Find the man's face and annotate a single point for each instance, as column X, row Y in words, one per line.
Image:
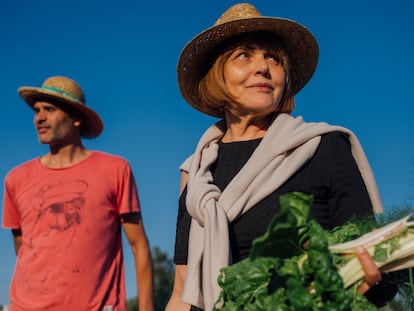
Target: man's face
column 53, row 125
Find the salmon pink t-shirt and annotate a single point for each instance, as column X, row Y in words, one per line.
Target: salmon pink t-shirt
column 71, row 256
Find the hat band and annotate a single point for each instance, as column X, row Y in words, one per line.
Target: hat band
column 60, row 91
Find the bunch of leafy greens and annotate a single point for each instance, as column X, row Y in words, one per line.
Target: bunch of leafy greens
column 282, row 274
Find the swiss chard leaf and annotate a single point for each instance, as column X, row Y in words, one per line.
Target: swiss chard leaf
column 288, row 230
column 281, row 275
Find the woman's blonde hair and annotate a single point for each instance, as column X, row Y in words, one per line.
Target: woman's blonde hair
column 212, row 89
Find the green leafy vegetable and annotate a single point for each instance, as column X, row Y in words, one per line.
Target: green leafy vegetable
column 288, row 231
column 281, row 275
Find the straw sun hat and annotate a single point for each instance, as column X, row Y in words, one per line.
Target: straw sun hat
column 298, row 41
column 68, row 93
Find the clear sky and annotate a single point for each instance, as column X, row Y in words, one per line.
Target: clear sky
column 124, row 55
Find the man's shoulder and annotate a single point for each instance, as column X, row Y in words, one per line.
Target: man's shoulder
column 109, row 157
column 23, row 167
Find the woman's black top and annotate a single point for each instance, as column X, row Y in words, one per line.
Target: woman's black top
column 331, row 176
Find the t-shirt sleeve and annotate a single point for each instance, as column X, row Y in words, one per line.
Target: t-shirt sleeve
column 127, row 194
column 10, row 215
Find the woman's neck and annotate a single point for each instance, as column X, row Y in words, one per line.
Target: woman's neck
column 240, row 129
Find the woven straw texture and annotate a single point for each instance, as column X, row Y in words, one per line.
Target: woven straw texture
column 299, row 43
column 66, row 92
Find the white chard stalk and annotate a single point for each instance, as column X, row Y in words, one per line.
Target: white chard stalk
column 396, row 238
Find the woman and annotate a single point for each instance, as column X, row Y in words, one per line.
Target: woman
column 246, row 70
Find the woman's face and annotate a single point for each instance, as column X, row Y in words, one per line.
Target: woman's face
column 255, row 80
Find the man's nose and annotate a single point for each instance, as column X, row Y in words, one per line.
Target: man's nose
column 40, row 116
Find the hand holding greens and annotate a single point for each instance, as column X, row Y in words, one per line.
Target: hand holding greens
column 295, row 266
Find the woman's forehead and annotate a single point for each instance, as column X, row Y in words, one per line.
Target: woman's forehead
column 257, row 40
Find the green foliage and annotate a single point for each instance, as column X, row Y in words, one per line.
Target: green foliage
column 255, row 284
column 163, row 267
column 163, row 278
column 405, row 278
column 132, row 304
column 394, row 213
column 302, row 280
column 405, row 296
column 286, row 233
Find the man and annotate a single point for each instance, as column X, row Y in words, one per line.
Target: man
column 66, row 210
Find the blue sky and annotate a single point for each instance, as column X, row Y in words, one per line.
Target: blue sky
column 124, row 55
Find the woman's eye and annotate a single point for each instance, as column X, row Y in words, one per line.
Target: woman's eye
column 243, row 54
column 273, row 58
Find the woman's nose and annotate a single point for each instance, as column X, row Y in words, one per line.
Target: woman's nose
column 262, row 66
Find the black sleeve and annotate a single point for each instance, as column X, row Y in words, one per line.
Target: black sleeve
column 182, row 231
column 348, row 198
column 385, row 291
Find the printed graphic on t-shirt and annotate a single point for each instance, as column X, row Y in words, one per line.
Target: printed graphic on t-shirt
column 59, row 207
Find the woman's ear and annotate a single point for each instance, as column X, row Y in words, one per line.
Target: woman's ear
column 77, row 123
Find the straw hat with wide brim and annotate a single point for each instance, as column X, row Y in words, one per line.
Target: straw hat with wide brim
column 298, row 41
column 68, row 93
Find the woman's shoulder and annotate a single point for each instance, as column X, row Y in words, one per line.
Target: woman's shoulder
column 335, row 138
column 334, row 144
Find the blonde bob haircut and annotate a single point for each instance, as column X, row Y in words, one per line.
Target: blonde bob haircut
column 212, row 89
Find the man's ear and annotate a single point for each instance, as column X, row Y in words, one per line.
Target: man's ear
column 77, row 123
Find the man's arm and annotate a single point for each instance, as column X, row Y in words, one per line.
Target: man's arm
column 135, row 233
column 17, row 239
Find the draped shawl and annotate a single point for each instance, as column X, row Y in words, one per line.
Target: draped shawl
column 287, row 145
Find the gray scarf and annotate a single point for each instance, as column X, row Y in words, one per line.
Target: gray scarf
column 287, row 145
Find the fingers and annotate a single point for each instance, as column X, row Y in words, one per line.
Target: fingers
column 372, row 273
column 364, row 287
